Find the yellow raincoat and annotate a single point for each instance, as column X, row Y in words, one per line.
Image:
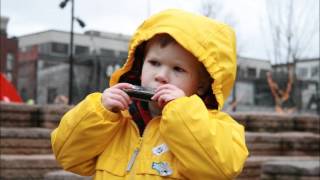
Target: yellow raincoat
column 189, row 141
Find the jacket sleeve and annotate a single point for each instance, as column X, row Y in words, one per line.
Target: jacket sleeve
column 208, row 145
column 83, row 134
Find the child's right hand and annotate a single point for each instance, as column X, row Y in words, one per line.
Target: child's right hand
column 115, row 99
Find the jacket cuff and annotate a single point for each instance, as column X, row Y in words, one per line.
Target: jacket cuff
column 99, row 108
column 181, row 102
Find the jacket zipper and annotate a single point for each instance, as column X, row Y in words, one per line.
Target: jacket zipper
column 134, row 156
column 137, row 149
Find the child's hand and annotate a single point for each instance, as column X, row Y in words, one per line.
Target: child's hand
column 166, row 93
column 115, row 99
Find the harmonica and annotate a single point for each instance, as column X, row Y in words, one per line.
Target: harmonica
column 140, row 93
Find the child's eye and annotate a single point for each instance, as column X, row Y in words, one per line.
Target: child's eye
column 154, row 63
column 179, row 69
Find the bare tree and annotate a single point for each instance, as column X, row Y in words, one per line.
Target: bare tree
column 293, row 25
column 281, row 95
column 215, row 9
column 211, row 8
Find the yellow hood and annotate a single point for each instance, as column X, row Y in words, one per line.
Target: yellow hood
column 212, row 42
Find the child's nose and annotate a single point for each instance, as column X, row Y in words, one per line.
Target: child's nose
column 162, row 76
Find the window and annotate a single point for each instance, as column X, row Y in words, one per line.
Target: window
column 241, row 72
column 9, row 66
column 44, row 48
column 123, row 54
column 52, row 93
column 107, row 52
column 314, row 71
column 263, row 73
column 82, row 50
column 59, row 48
column 302, row 72
column 10, row 61
column 252, row 72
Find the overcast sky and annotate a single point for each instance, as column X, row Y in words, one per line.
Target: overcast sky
column 123, row 16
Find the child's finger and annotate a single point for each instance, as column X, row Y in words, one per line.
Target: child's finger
column 117, row 105
column 122, row 86
column 120, row 99
column 160, row 93
column 164, row 99
column 123, row 94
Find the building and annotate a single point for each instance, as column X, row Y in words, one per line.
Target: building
column 44, row 63
column 251, row 91
column 306, row 88
column 8, row 52
column 44, row 71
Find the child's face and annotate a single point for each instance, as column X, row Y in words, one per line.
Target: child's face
column 170, row 64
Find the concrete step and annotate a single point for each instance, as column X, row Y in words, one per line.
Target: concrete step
column 64, row 175
column 253, row 166
column 44, row 167
column 271, row 122
column 291, row 169
column 37, row 141
column 26, row 167
column 25, row 141
column 23, row 115
column 283, row 143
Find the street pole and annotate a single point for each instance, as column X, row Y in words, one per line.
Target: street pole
column 234, row 98
column 318, row 92
column 71, row 60
column 71, row 56
column 234, row 93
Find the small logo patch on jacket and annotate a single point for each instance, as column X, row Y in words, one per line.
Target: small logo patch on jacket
column 162, row 168
column 162, row 148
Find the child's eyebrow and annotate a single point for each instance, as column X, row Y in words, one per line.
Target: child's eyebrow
column 152, row 57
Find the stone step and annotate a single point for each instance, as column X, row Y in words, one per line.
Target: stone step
column 64, row 175
column 37, row 141
column 283, row 143
column 254, row 164
column 26, row 167
column 271, row 122
column 254, row 167
column 44, row 167
column 25, row 141
column 291, row 169
column 23, row 115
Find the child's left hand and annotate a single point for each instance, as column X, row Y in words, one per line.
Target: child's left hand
column 166, row 93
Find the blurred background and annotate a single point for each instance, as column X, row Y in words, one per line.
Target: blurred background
column 55, row 52
column 58, row 51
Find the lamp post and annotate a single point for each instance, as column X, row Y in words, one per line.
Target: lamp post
column 71, row 60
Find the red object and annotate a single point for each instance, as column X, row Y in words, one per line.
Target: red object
column 8, row 92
